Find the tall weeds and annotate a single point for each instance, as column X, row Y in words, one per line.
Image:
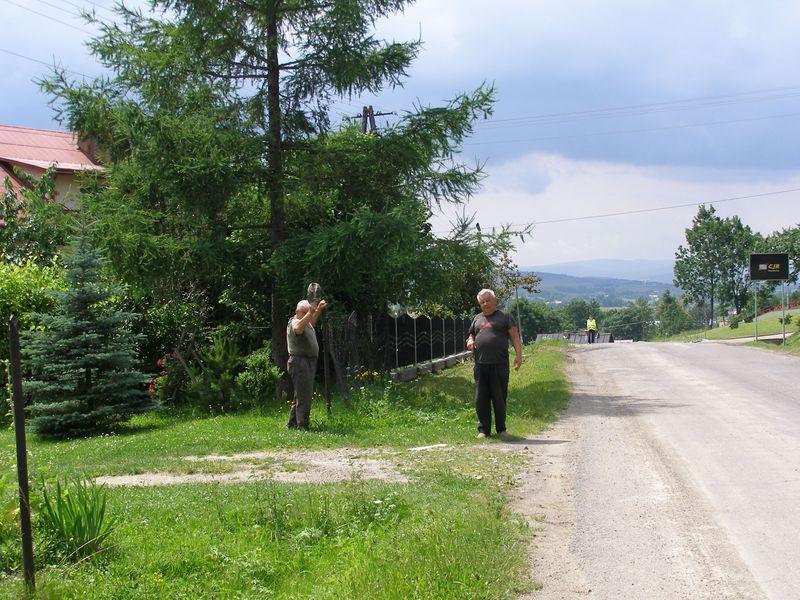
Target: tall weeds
column 73, row 518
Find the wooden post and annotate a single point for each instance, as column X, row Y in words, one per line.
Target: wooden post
column 327, row 377
column 22, row 454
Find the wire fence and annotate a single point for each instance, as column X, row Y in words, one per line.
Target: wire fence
column 354, row 344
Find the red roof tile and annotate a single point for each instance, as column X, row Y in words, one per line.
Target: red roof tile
column 41, row 148
column 7, row 171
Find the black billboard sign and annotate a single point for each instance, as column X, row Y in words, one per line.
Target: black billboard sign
column 770, row 267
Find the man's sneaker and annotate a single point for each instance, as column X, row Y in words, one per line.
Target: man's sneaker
column 481, row 435
column 505, row 436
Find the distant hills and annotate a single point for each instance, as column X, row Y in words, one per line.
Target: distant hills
column 610, row 282
column 634, row 270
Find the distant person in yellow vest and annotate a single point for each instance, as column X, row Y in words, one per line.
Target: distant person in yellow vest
column 591, row 329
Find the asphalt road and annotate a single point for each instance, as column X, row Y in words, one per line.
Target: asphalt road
column 682, row 464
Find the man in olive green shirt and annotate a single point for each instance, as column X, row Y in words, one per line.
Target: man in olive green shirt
column 301, row 339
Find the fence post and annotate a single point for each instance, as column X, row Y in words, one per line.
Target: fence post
column 327, row 378
column 783, row 310
column 414, row 319
column 755, row 311
column 430, row 327
column 22, row 454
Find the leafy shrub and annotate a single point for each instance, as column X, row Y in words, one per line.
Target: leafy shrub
column 214, row 383
column 169, row 386
column 260, row 376
column 10, row 555
column 25, row 288
column 73, row 519
column 162, row 323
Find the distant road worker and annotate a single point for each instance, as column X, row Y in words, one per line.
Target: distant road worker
column 591, row 329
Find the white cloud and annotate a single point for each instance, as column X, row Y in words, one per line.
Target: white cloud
column 574, row 189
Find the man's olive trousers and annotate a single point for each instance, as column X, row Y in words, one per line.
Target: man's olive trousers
column 301, row 370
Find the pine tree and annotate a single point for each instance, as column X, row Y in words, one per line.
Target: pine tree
column 84, row 379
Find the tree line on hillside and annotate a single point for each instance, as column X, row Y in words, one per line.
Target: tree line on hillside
column 712, row 268
column 712, row 271
column 226, row 189
column 639, row 320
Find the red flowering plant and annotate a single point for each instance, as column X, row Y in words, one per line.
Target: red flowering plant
column 165, row 387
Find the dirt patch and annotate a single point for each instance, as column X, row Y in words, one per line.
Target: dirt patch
column 295, row 466
column 544, row 496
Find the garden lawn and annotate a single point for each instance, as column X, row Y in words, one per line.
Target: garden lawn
column 768, row 324
column 431, row 538
column 792, row 345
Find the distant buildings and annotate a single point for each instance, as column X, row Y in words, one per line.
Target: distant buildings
column 34, row 150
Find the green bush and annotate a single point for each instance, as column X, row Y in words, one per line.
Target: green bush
column 260, row 376
column 161, row 325
column 25, row 288
column 214, row 385
column 10, row 554
column 73, row 519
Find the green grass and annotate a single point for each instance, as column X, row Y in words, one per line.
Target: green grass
column 445, row 535
column 768, row 324
column 435, row 409
column 792, row 345
column 432, row 540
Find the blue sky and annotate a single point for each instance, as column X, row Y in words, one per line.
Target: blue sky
column 711, row 90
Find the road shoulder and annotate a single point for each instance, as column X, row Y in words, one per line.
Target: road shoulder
column 615, row 512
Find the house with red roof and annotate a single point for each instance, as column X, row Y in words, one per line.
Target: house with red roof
column 34, row 150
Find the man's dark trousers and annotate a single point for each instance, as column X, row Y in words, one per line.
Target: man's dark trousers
column 491, row 390
column 591, row 334
column 301, row 370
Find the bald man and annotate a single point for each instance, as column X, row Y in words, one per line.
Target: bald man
column 489, row 335
column 301, row 339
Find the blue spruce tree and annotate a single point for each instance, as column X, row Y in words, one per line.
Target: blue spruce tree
column 84, row 378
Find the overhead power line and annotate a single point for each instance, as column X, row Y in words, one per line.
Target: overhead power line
column 94, row 5
column 61, row 8
column 41, row 62
column 640, row 130
column 524, row 226
column 670, row 207
column 36, row 12
column 684, row 104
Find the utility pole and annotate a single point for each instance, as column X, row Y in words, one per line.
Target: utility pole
column 368, row 115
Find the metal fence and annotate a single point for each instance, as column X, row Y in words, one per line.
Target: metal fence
column 576, row 338
column 414, row 340
column 354, row 344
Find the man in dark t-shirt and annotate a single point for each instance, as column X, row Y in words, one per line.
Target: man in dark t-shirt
column 488, row 339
